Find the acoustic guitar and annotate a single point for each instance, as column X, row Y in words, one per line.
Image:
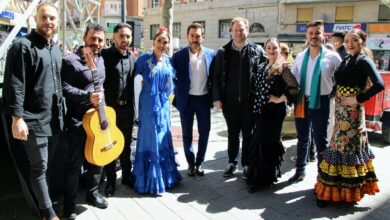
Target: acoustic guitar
column 105, row 141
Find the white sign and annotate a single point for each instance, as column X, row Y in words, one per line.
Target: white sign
column 345, row 27
column 378, row 43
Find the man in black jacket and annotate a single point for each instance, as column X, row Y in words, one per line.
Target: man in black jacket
column 82, row 93
column 33, row 100
column 231, row 88
column 119, row 93
column 338, row 43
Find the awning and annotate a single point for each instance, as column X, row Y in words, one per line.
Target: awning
column 294, row 38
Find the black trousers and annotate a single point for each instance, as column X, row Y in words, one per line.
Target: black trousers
column 76, row 138
column 239, row 118
column 124, row 121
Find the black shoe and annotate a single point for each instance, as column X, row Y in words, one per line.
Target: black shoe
column 199, row 171
column 251, row 189
column 296, row 178
column 70, row 212
column 128, row 181
column 110, row 189
column 244, row 173
column 95, row 199
column 229, row 170
column 191, row 171
column 322, row 203
column 312, row 158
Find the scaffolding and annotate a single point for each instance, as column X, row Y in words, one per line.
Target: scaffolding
column 74, row 15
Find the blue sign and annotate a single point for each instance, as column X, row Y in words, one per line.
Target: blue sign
column 328, row 27
column 7, row 15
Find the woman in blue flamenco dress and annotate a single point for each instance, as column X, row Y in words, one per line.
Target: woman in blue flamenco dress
column 155, row 169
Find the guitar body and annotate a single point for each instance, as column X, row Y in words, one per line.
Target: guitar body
column 102, row 146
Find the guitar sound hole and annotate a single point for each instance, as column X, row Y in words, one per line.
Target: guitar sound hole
column 104, row 125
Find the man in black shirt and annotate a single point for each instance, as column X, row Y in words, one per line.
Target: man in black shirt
column 33, row 98
column 80, row 94
column 119, row 94
column 338, row 43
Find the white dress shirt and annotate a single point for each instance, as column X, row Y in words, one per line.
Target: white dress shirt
column 329, row 63
column 198, row 73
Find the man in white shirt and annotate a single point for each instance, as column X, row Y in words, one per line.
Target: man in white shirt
column 193, row 95
column 314, row 69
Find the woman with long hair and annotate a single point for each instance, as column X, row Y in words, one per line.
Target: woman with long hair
column 155, row 169
column 273, row 88
column 346, row 171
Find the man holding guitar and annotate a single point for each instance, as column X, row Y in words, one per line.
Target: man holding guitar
column 119, row 92
column 79, row 90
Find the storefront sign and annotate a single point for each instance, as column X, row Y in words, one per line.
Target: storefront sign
column 377, row 43
column 346, row 27
column 110, row 27
column 331, row 27
column 7, row 15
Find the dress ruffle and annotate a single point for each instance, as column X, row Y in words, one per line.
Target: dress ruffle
column 161, row 172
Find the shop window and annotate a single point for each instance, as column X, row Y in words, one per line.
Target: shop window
column 203, row 23
column 256, row 28
column 176, row 29
column 304, row 15
column 153, row 30
column 224, row 28
column 176, row 2
column 384, row 13
column 344, row 13
column 154, row 3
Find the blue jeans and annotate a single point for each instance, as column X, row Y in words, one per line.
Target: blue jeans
column 318, row 119
column 199, row 106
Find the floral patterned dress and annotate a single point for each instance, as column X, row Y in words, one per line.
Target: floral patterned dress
column 346, row 171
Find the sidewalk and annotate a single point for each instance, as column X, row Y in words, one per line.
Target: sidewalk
column 216, row 197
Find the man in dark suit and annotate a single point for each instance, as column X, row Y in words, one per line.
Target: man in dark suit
column 192, row 96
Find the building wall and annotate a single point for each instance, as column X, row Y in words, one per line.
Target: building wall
column 364, row 11
column 211, row 12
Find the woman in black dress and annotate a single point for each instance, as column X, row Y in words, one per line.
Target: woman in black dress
column 273, row 87
column 346, row 171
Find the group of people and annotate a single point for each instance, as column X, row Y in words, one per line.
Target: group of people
column 252, row 87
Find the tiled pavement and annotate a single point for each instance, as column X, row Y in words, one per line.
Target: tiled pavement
column 215, row 197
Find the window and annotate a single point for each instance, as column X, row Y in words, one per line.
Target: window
column 176, row 2
column 384, row 13
column 153, row 30
column 344, row 13
column 256, row 28
column 154, row 3
column 304, row 15
column 112, row 8
column 176, row 32
column 203, row 23
column 224, row 28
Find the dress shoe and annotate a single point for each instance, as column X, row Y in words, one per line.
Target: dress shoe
column 95, row 199
column 191, row 171
column 199, row 171
column 244, row 173
column 298, row 177
column 110, row 189
column 229, row 170
column 70, row 212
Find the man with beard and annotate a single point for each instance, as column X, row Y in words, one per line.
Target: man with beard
column 192, row 94
column 314, row 69
column 80, row 96
column 233, row 71
column 119, row 93
column 33, row 100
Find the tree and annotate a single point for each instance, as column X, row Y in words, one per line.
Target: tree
column 167, row 21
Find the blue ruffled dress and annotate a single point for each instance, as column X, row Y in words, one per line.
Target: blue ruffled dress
column 155, row 169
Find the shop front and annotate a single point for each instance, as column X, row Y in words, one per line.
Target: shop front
column 379, row 42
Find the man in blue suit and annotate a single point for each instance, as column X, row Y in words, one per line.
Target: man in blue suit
column 193, row 95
